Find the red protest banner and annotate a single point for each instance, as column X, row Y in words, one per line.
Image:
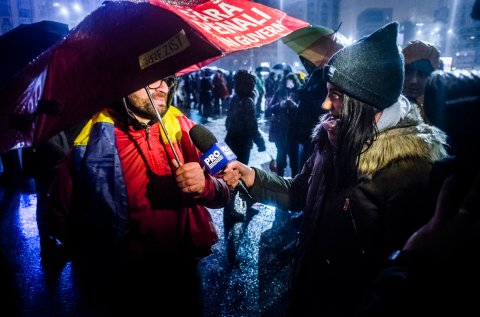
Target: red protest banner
column 235, row 25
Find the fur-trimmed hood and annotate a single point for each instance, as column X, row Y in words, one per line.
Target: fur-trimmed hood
column 410, row 138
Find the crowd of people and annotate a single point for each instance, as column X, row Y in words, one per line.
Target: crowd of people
column 381, row 147
column 279, row 95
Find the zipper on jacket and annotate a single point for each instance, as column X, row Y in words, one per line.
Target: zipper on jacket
column 346, row 207
column 346, row 204
column 147, row 136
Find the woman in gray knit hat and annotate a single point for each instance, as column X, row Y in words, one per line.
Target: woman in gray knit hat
column 363, row 187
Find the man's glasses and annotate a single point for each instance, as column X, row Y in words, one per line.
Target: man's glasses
column 170, row 81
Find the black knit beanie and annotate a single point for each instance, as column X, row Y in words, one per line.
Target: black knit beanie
column 371, row 69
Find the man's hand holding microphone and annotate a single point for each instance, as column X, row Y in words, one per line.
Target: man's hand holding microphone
column 190, row 177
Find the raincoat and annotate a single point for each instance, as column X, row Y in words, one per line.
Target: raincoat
column 118, row 190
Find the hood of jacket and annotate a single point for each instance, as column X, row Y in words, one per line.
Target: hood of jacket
column 409, row 138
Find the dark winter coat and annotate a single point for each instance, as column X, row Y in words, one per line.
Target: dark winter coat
column 283, row 111
column 219, row 88
column 241, row 124
column 311, row 97
column 345, row 236
column 270, row 85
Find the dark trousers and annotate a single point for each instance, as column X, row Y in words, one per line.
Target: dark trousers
column 287, row 148
column 154, row 286
column 305, row 150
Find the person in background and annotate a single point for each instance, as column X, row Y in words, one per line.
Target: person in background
column 130, row 207
column 260, row 87
column 242, row 128
column 281, row 70
column 270, row 86
column 421, row 59
column 220, row 92
column 241, row 123
column 310, row 96
column 41, row 163
column 282, row 111
column 274, row 82
column 363, row 188
column 205, row 87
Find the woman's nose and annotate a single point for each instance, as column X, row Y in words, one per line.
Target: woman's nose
column 327, row 104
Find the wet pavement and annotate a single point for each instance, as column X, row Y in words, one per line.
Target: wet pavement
column 246, row 274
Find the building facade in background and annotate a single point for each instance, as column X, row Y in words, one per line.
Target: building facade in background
column 445, row 23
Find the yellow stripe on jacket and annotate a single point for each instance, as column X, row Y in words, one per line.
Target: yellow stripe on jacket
column 172, row 125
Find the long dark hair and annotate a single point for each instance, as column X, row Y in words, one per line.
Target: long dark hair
column 357, row 132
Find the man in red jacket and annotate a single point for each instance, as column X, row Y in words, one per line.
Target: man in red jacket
column 132, row 215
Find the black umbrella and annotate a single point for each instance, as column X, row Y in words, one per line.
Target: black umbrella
column 262, row 69
column 25, row 42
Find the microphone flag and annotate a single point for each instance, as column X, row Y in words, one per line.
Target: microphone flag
column 217, row 157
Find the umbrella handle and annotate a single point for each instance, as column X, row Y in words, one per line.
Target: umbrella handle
column 152, row 103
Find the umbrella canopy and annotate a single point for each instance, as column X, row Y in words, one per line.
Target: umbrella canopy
column 264, row 70
column 121, row 47
column 25, row 42
column 315, row 43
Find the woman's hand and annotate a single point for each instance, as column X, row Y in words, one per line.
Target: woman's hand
column 236, row 171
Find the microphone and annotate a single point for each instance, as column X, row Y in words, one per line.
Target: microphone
column 216, row 155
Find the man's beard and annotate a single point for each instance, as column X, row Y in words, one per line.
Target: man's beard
column 142, row 107
column 147, row 111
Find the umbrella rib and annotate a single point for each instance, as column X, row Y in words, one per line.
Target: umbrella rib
column 152, row 103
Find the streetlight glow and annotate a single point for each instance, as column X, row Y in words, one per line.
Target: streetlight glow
column 77, row 7
column 64, row 11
